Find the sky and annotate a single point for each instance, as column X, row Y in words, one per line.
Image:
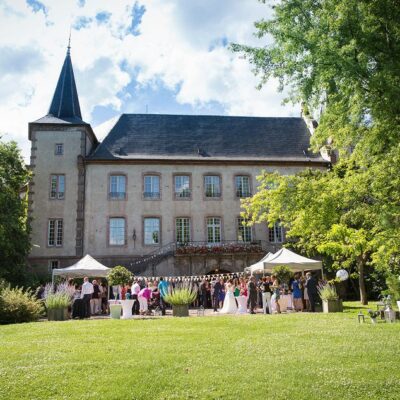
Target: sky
column 155, row 56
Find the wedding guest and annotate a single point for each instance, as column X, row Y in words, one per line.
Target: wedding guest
column 252, row 291
column 297, row 293
column 311, row 285
column 266, row 294
column 39, row 293
column 104, row 295
column 243, row 287
column 123, row 292
column 135, row 291
column 221, row 296
column 144, row 297
column 276, row 293
column 86, row 295
column 216, row 288
column 203, row 293
column 95, row 301
column 163, row 289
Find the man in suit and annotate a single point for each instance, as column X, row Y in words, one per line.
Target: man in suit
column 252, row 293
column 216, row 288
column 311, row 285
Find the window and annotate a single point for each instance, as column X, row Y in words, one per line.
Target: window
column 242, row 184
column 151, row 187
column 53, row 264
column 182, row 229
column 117, row 232
column 55, row 232
column 57, row 187
column 214, row 230
column 182, row 186
column 276, row 233
column 244, row 232
column 59, row 149
column 151, row 230
column 117, row 187
column 212, row 186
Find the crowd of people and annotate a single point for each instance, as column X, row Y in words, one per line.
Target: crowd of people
column 227, row 295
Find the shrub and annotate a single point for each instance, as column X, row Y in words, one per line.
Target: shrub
column 119, row 276
column 327, row 292
column 182, row 294
column 17, row 305
column 283, row 273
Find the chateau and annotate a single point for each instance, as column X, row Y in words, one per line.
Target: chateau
column 161, row 193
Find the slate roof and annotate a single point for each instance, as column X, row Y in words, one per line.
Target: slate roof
column 64, row 108
column 194, row 137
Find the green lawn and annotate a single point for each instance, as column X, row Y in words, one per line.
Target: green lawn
column 294, row 356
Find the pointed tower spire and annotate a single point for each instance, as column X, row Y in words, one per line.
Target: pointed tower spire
column 65, row 103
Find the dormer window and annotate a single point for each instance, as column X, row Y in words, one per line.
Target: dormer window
column 59, row 149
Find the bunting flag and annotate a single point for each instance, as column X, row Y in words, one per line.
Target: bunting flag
column 231, row 275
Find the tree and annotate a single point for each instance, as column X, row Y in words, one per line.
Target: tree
column 341, row 57
column 14, row 230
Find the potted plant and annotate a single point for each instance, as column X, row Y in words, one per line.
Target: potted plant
column 373, row 315
column 180, row 297
column 283, row 274
column 116, row 277
column 330, row 298
column 57, row 301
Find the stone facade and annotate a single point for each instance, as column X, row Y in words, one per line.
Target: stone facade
column 66, row 227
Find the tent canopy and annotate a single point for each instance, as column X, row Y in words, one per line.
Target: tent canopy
column 295, row 262
column 259, row 266
column 87, row 266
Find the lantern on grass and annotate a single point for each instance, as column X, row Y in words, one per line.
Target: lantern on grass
column 361, row 317
column 342, row 275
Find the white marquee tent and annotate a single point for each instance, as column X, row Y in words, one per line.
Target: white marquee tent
column 260, row 265
column 295, row 262
column 87, row 266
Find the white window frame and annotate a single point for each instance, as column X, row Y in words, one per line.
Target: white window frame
column 151, row 231
column 212, row 186
column 275, row 233
column 214, row 230
column 182, row 229
column 117, row 187
column 55, row 232
column 182, row 189
column 151, row 186
column 116, row 231
column 59, row 149
column 244, row 233
column 57, row 186
column 240, row 186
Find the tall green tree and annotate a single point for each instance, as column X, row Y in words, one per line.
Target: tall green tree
column 341, row 59
column 14, row 230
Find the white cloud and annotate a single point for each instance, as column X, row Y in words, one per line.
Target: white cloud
column 179, row 47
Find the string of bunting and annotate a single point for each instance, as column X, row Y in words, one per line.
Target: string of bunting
column 230, row 275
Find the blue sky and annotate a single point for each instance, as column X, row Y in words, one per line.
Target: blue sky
column 159, row 56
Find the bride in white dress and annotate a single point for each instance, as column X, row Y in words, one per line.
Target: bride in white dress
column 229, row 306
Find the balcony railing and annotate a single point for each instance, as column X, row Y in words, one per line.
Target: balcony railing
column 117, row 195
column 223, row 247
column 242, row 194
column 183, row 194
column 213, row 194
column 151, row 195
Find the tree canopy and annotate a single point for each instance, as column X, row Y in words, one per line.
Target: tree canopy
column 341, row 59
column 14, row 231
